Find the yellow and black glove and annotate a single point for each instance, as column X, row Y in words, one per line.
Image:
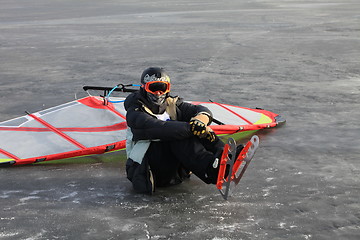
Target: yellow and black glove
column 210, row 135
column 198, row 125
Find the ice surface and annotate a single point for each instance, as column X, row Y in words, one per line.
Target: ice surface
column 296, row 58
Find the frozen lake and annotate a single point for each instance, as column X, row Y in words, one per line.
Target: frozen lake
column 300, row 59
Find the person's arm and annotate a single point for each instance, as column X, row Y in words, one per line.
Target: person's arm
column 147, row 127
column 190, row 111
column 200, row 118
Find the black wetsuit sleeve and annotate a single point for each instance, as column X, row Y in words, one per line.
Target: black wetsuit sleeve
column 147, row 127
column 189, row 110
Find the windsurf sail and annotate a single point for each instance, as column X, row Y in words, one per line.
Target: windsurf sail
column 97, row 124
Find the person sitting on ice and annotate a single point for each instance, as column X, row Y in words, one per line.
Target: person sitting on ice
column 167, row 138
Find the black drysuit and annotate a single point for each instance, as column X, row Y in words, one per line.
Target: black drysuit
column 173, row 151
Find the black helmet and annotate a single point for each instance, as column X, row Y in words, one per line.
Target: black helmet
column 154, row 74
column 155, row 86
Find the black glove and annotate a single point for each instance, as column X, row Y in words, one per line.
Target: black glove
column 197, row 127
column 210, row 135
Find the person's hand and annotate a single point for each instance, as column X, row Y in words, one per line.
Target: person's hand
column 209, row 134
column 197, row 127
column 198, row 124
